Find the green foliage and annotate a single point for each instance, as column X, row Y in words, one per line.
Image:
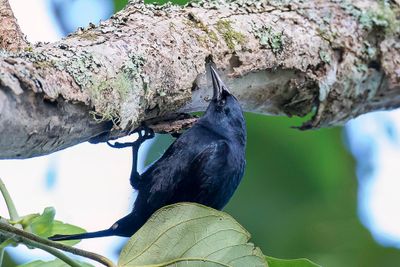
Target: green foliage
column 187, row 234
column 53, row 263
column 119, row 4
column 183, row 234
column 274, row 262
column 41, row 225
column 61, row 228
column 44, row 225
column 298, row 197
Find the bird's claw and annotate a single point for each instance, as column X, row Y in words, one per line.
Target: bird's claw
column 120, row 145
column 148, row 133
column 143, row 132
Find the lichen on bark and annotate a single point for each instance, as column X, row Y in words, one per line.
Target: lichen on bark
column 146, row 62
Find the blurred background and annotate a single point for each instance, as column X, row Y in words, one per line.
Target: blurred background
column 330, row 195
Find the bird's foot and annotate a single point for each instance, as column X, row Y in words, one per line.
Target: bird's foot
column 144, row 133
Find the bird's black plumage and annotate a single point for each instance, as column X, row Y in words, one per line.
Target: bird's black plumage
column 204, row 165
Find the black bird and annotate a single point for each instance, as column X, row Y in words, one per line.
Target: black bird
column 204, row 165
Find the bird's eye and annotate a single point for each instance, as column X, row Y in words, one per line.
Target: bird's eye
column 220, row 104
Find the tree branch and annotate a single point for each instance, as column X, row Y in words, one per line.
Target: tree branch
column 147, row 62
column 12, row 210
column 11, row 36
column 21, row 236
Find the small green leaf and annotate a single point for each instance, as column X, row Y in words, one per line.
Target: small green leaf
column 27, row 219
column 7, row 242
column 188, row 234
column 53, row 263
column 274, row 262
column 60, row 228
column 42, row 225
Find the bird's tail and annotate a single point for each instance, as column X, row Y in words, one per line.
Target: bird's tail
column 107, row 232
column 125, row 227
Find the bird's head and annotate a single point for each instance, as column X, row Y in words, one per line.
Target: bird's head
column 224, row 109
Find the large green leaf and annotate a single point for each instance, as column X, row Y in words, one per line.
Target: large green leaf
column 274, row 262
column 188, row 234
column 53, row 263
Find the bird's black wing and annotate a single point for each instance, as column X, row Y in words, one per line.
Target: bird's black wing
column 212, row 176
column 182, row 180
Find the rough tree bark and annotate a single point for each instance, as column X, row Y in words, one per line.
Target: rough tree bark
column 336, row 58
column 11, row 37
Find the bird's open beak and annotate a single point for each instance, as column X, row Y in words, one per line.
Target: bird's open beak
column 218, row 85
